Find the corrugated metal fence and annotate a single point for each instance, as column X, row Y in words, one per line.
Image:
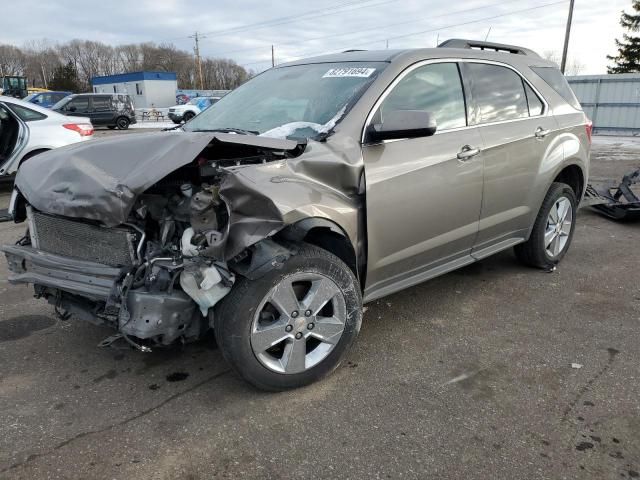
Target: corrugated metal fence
column 612, row 102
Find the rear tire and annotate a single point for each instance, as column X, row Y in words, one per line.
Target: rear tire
column 122, row 123
column 302, row 339
column 553, row 229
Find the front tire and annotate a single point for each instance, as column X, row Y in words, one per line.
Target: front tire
column 292, row 326
column 188, row 116
column 553, row 229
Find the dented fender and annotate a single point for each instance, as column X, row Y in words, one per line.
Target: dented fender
column 262, row 200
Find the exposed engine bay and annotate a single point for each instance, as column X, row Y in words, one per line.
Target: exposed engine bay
column 155, row 276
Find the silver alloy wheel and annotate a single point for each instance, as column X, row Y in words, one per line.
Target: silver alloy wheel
column 298, row 323
column 559, row 224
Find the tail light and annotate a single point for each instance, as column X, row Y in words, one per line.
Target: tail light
column 589, row 127
column 84, row 129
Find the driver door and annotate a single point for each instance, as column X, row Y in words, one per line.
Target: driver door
column 423, row 195
column 77, row 107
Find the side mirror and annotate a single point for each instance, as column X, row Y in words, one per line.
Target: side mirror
column 72, row 108
column 36, row 100
column 403, row 124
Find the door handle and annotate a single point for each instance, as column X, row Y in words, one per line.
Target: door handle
column 541, row 132
column 467, row 153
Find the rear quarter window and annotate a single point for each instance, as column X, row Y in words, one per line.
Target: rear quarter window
column 555, row 79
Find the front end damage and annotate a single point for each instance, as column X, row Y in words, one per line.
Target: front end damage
column 146, row 235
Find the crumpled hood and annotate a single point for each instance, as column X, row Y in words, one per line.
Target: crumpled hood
column 101, row 179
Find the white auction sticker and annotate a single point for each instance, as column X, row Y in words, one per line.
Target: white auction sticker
column 349, row 72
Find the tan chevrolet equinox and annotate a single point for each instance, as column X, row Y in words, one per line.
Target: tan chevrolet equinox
column 315, row 187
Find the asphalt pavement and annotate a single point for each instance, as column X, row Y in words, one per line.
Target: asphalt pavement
column 496, row 371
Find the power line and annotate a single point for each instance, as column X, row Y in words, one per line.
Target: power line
column 267, row 23
column 331, row 10
column 421, row 32
column 377, row 27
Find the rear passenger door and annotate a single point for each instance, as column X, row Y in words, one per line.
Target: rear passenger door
column 102, row 112
column 516, row 132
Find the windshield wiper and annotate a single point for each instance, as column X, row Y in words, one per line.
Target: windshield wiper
column 229, row 130
column 168, row 129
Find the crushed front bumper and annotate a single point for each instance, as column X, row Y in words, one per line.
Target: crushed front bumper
column 81, row 277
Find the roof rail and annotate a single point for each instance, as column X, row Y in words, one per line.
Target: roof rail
column 480, row 45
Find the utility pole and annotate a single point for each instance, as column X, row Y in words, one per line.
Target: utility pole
column 196, row 51
column 273, row 57
column 487, row 35
column 566, row 38
column 44, row 76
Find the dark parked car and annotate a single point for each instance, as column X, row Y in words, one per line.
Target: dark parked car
column 104, row 109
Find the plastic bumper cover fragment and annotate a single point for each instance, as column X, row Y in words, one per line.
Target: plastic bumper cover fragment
column 29, row 265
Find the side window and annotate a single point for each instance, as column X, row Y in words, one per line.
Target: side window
column 138, row 89
column 27, row 114
column 101, row 104
column 535, row 104
column 435, row 88
column 498, row 92
column 80, row 104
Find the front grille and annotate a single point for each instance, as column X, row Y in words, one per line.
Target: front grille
column 172, row 110
column 69, row 238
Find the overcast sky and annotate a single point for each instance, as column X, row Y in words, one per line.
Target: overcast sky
column 245, row 29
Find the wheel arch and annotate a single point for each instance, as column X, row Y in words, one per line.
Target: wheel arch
column 574, row 176
column 326, row 234
column 32, row 153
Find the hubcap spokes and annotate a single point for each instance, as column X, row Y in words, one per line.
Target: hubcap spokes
column 298, row 323
column 558, row 228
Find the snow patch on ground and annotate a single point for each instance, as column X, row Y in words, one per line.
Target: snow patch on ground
column 153, row 124
column 622, row 142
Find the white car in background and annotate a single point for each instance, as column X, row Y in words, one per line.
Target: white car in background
column 27, row 130
column 193, row 107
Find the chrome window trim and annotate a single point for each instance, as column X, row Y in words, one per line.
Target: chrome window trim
column 422, row 63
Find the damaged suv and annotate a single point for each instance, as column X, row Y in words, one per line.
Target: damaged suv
column 314, row 187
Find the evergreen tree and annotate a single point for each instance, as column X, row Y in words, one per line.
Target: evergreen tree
column 65, row 77
column 628, row 58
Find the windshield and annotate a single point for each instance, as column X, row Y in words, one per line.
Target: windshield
column 29, row 97
column 301, row 101
column 194, row 101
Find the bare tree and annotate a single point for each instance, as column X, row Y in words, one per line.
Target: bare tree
column 39, row 59
column 12, row 60
column 574, row 66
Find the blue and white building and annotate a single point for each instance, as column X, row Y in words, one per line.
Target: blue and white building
column 146, row 89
